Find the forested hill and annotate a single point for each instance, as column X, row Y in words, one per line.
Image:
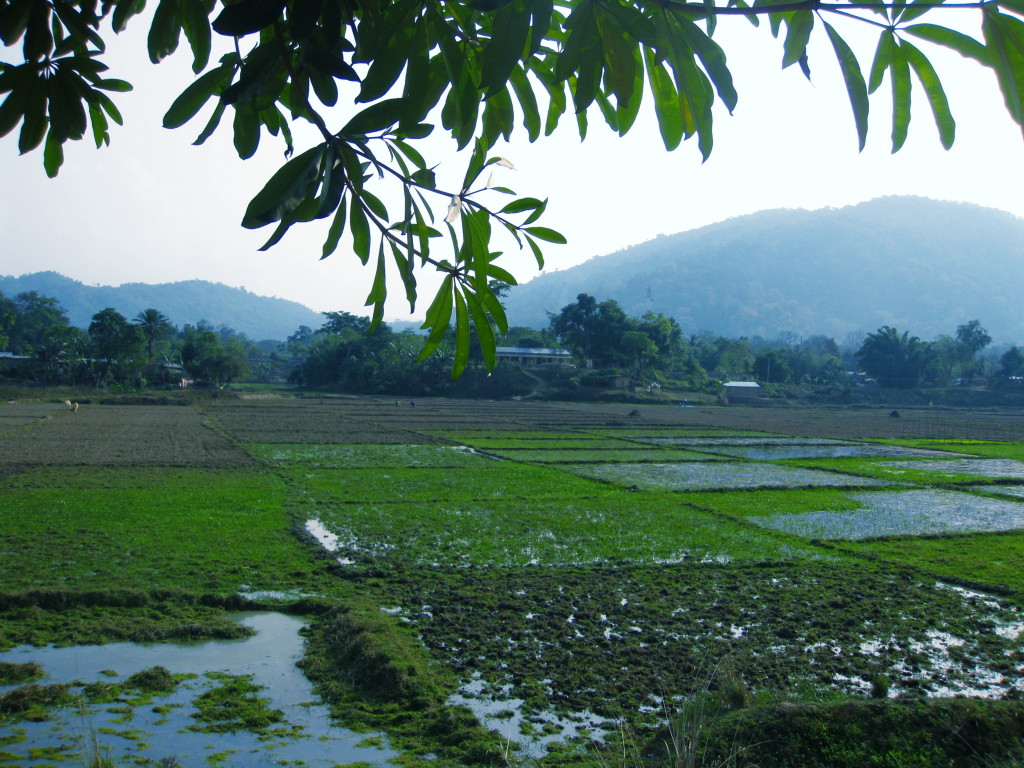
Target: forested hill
column 919, row 265
column 187, row 302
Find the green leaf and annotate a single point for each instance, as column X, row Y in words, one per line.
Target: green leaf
column 933, row 89
column 336, row 228
column 484, row 334
column 501, row 274
column 666, row 101
column 882, row 60
column 378, row 291
column 798, row 33
column 53, row 155
column 537, row 255
column 33, row 129
column 712, row 58
column 247, row 16
column 899, row 74
column 246, row 126
column 856, row 88
column 549, row 235
column 377, row 117
column 212, row 123
column 957, row 41
column 527, row 102
column 522, row 204
column 461, row 335
column 511, row 28
column 165, row 31
column 195, row 21
column 1004, row 42
column 438, row 317
column 360, row 228
column 286, row 189
column 192, row 99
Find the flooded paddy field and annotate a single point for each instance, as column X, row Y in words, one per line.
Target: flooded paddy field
column 238, row 702
column 490, row 580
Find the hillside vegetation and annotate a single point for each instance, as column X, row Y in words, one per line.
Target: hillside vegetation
column 899, row 261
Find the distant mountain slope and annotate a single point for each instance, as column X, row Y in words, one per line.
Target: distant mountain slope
column 188, row 302
column 920, row 265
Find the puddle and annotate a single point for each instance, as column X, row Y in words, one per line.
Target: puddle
column 532, row 735
column 142, row 736
column 704, row 475
column 896, row 513
column 984, row 467
column 328, row 540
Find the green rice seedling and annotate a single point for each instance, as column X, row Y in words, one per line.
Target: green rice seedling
column 615, row 526
column 594, row 443
column 988, row 449
column 783, row 501
column 995, row 560
column 316, row 488
column 636, row 453
column 907, row 471
column 206, row 531
column 367, row 456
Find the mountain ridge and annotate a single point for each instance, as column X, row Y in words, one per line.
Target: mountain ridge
column 185, row 302
column 920, row 265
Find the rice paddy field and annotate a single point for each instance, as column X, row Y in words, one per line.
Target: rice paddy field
column 494, row 583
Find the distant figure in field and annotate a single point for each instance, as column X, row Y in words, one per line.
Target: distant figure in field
column 67, row 405
column 74, row 407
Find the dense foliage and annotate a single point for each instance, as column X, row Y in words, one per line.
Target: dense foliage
column 472, row 68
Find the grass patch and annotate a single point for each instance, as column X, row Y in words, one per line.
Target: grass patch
column 634, row 454
column 200, row 531
column 494, row 481
column 12, row 672
column 615, row 526
column 775, row 502
column 910, row 471
column 45, row 618
column 995, row 560
column 339, row 456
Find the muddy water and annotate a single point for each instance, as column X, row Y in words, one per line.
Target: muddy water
column 147, row 735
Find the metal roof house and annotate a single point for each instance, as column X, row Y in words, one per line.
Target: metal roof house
column 530, row 356
column 742, row 390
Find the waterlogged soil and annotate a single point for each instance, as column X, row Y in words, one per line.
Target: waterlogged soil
column 902, row 513
column 599, row 639
column 686, row 476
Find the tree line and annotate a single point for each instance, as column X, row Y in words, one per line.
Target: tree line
column 115, row 352
column 348, row 353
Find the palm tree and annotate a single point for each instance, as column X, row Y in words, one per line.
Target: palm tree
column 154, row 325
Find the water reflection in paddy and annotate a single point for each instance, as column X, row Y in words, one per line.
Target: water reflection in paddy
column 146, row 736
column 770, row 452
column 896, row 513
column 694, row 475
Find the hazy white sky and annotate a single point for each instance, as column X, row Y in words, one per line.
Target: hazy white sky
column 151, row 208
